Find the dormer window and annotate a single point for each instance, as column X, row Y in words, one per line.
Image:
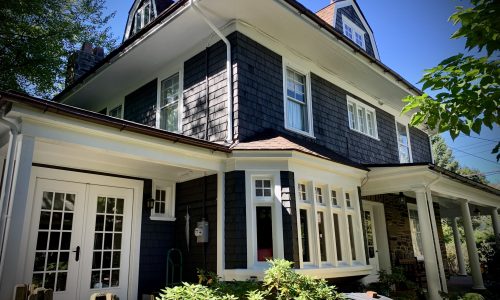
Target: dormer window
column 143, row 16
column 353, row 32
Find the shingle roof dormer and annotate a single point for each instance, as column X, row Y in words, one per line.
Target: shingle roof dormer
column 142, row 13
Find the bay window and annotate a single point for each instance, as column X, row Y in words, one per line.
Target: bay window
column 362, row 118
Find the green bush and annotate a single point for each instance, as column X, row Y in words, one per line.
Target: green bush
column 280, row 282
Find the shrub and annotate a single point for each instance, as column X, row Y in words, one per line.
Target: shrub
column 280, row 282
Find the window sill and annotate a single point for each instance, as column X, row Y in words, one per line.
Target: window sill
column 365, row 134
column 162, row 218
column 304, row 133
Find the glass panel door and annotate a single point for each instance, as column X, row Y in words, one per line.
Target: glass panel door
column 56, row 236
column 106, row 253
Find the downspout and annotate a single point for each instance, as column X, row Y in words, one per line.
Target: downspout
column 229, row 71
column 432, row 217
column 5, row 213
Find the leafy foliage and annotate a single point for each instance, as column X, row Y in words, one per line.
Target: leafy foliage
column 37, row 36
column 280, row 282
column 443, row 157
column 467, row 86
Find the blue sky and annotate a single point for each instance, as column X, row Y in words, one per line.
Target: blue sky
column 411, row 36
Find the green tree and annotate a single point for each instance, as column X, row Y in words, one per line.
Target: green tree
column 444, row 158
column 37, row 36
column 467, row 86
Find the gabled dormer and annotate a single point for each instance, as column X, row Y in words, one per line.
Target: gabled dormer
column 347, row 18
column 142, row 13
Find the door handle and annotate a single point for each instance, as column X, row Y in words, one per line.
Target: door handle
column 77, row 255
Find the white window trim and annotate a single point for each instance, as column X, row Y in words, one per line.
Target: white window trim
column 251, row 205
column 411, row 206
column 358, row 104
column 328, row 210
column 140, row 10
column 115, row 107
column 180, row 103
column 307, row 74
column 355, row 29
column 408, row 136
column 169, row 214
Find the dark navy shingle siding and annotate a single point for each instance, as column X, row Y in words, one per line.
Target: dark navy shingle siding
column 235, row 232
column 420, row 146
column 289, row 217
column 156, row 238
column 140, row 105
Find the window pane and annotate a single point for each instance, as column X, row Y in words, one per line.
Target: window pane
column 348, row 31
column 321, row 236
column 146, row 15
column 296, row 103
column 352, row 117
column 404, row 150
column 351, row 237
column 264, row 233
column 138, row 22
column 304, row 235
column 416, row 234
column 359, row 40
column 169, row 119
column 263, row 188
column 302, row 192
column 170, row 90
column 336, row 228
column 334, row 198
column 361, row 120
column 348, row 199
column 319, row 195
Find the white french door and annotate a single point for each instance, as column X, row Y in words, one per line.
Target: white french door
column 80, row 238
column 371, row 241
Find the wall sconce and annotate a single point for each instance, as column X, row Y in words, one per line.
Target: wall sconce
column 402, row 199
column 150, row 203
column 477, row 212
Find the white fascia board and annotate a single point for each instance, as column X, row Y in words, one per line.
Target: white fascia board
column 67, row 130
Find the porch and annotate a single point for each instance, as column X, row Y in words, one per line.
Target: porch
column 415, row 198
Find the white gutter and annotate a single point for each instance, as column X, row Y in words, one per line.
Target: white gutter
column 5, row 202
column 229, row 71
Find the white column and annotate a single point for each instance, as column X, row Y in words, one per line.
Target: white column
column 18, row 219
column 475, row 268
column 495, row 220
column 430, row 259
column 437, row 245
column 458, row 247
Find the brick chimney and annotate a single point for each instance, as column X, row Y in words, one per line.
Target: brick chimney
column 327, row 13
column 83, row 61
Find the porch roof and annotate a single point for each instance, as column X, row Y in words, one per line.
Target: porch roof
column 445, row 186
column 81, row 114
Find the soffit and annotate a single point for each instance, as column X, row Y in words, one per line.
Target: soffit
column 275, row 18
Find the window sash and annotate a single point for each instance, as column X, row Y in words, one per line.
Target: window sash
column 320, row 218
column 403, row 143
column 304, row 231
column 348, row 31
column 264, row 234
column 359, row 39
column 296, row 95
column 416, row 234
column 169, row 103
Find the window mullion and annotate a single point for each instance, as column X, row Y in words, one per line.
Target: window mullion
column 316, row 258
column 329, row 230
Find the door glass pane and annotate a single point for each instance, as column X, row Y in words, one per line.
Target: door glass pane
column 53, row 240
column 321, row 236
column 336, row 228
column 369, row 234
column 304, row 235
column 351, row 237
column 107, row 243
column 264, row 233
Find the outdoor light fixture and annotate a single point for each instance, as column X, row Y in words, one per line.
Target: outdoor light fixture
column 402, row 199
column 150, row 203
column 476, row 211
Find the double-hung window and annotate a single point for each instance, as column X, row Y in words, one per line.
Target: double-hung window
column 403, row 143
column 263, row 197
column 297, row 106
column 163, row 205
column 362, row 118
column 169, row 103
column 353, row 32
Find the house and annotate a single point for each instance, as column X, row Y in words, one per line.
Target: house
column 272, row 130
